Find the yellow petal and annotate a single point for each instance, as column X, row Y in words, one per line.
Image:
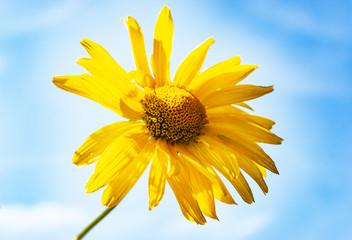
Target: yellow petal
column 262, row 170
column 203, row 190
column 111, row 72
column 89, row 86
column 164, row 30
column 222, row 67
column 253, row 171
column 172, row 154
column 198, row 163
column 160, row 60
column 222, row 193
column 242, row 187
column 221, row 75
column 220, row 156
column 237, row 181
column 110, row 78
column 157, row 177
column 93, row 67
column 191, row 65
column 225, row 198
column 96, row 143
column 116, row 158
column 245, row 105
column 128, row 176
column 183, row 192
column 245, row 146
column 233, row 125
column 262, row 121
column 102, row 92
column 206, row 157
column 235, row 94
column 74, row 84
column 237, row 113
column 131, row 108
column 142, row 79
column 137, row 42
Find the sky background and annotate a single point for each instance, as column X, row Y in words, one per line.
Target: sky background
column 304, row 49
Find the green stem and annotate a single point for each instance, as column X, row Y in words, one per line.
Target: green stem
column 92, row 224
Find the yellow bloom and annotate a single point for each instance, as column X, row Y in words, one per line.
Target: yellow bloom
column 187, row 129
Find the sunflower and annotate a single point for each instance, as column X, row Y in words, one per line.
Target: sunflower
column 188, row 130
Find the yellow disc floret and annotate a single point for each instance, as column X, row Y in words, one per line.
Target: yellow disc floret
column 174, row 114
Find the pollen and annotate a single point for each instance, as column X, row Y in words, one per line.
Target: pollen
column 174, row 114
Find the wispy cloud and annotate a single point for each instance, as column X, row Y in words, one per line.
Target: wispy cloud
column 19, row 220
column 230, row 227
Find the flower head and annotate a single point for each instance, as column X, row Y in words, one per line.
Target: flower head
column 188, row 130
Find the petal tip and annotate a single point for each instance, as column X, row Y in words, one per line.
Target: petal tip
column 85, row 42
column 58, row 81
column 165, row 8
column 54, row 80
column 274, row 170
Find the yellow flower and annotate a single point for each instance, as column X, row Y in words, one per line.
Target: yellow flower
column 188, row 129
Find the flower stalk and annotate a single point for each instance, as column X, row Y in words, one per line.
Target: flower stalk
column 92, row 224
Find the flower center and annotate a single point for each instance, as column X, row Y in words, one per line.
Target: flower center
column 174, row 114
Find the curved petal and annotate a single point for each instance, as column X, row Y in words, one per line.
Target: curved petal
column 220, row 193
column 112, row 77
column 206, row 185
column 142, row 78
column 137, row 42
column 218, row 69
column 220, row 156
column 131, row 108
column 203, row 191
column 128, row 176
column 118, row 156
column 160, row 59
column 157, row 176
column 202, row 166
column 105, row 67
column 239, row 126
column 244, row 105
column 253, row 171
column 242, row 187
column 261, row 169
column 191, row 65
column 174, row 159
column 96, row 143
column 210, row 81
column 184, row 194
column 237, row 113
column 90, row 87
column 235, row 94
column 242, row 145
column 237, row 181
column 75, row 84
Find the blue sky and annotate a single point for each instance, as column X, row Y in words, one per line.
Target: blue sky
column 304, row 50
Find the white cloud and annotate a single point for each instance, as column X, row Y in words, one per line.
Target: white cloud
column 241, row 226
column 20, row 220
